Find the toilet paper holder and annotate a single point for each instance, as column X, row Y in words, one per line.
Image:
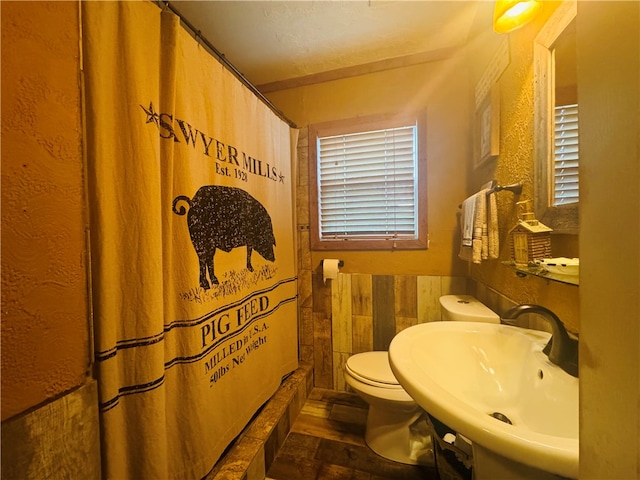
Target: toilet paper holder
column 330, row 268
column 340, row 263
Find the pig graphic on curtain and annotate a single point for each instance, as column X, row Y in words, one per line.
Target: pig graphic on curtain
column 226, row 218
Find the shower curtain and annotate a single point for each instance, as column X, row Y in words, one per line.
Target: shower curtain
column 192, row 243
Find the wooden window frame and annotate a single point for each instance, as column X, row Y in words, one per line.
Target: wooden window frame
column 363, row 124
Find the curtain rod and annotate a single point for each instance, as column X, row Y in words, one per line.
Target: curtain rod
column 216, row 53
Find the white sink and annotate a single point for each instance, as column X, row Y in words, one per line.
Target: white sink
column 462, row 372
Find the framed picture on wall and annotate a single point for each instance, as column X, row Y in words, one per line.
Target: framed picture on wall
column 487, row 121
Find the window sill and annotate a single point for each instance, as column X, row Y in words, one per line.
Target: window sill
column 343, row 244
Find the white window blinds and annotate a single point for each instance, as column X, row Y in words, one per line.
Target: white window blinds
column 367, row 185
column 566, row 155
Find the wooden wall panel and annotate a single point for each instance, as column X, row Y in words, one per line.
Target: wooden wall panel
column 322, row 354
column 341, row 313
column 384, row 327
column 454, row 285
column 404, row 322
column 362, row 329
column 339, row 361
column 429, row 290
column 381, row 306
column 60, row 440
column 306, row 326
column 322, row 342
column 361, row 294
column 406, row 293
column 362, row 313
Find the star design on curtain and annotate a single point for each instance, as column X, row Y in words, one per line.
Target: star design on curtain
column 152, row 117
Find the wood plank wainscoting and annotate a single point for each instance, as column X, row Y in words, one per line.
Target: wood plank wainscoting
column 361, row 312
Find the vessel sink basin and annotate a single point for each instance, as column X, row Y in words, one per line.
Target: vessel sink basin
column 466, row 374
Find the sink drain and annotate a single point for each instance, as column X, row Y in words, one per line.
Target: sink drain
column 502, row 417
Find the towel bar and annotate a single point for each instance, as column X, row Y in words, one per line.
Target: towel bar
column 515, row 188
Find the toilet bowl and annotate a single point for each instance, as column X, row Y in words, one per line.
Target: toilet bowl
column 394, row 430
column 392, row 412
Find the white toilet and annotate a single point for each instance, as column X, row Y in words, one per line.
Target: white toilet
column 392, row 429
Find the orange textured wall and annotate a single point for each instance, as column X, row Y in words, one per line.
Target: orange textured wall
column 45, row 333
column 515, row 164
column 441, row 89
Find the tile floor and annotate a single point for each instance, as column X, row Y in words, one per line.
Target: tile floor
column 326, row 442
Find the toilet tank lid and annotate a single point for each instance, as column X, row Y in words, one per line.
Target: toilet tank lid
column 373, row 366
column 468, row 306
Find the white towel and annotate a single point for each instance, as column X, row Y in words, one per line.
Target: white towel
column 468, row 217
column 474, row 227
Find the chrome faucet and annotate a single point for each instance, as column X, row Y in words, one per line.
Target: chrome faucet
column 561, row 349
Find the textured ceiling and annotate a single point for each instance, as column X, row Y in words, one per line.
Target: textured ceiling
column 270, row 41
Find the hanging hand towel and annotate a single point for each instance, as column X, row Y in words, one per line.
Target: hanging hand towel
column 480, row 227
column 494, row 242
column 473, row 211
column 468, row 216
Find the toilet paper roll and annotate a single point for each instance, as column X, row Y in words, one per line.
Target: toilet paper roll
column 330, row 268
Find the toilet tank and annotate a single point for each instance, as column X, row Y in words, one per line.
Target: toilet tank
column 465, row 308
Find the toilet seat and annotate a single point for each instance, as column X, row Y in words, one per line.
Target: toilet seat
column 372, row 368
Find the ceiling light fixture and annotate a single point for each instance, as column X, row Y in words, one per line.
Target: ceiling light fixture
column 509, row 15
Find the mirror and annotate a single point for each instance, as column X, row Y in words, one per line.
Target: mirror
column 555, row 84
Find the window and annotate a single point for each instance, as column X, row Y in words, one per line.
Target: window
column 367, row 184
column 565, row 163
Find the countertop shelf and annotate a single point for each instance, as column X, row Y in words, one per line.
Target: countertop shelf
column 538, row 271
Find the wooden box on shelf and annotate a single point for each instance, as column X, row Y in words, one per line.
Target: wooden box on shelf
column 529, row 239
